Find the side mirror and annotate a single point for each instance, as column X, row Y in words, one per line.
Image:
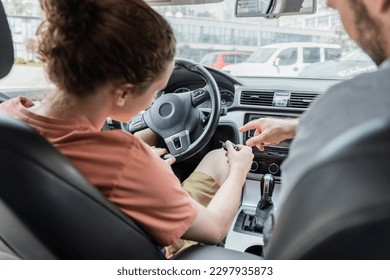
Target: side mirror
column 274, row 8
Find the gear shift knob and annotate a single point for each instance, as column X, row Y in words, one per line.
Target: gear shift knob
column 265, row 206
column 267, row 185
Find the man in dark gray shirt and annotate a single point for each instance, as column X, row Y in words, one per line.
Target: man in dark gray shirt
column 343, row 106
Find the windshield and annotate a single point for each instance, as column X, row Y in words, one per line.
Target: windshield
column 211, row 34
column 282, row 47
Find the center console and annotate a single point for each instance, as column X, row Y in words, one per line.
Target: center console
column 269, row 160
column 243, row 236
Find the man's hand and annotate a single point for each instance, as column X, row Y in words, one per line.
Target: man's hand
column 270, row 131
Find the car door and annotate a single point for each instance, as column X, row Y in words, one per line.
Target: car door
column 286, row 62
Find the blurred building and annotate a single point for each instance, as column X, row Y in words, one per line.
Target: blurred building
column 198, row 30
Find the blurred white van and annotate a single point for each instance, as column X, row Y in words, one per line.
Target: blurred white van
column 285, row 59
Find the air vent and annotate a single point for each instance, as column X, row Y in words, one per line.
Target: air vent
column 301, row 100
column 259, row 98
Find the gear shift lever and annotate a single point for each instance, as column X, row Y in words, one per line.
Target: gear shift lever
column 265, row 205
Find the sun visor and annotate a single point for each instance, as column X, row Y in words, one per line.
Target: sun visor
column 6, row 46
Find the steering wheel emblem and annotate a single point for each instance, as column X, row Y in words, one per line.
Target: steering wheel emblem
column 166, row 110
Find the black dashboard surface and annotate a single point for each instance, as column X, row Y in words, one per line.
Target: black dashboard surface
column 231, row 88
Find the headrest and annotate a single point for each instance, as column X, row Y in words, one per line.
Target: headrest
column 6, row 46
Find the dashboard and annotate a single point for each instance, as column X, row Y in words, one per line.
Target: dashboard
column 244, row 100
column 250, row 98
column 260, row 93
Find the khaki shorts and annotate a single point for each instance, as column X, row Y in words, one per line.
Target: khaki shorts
column 201, row 188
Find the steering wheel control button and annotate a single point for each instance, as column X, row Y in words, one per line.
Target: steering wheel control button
column 137, row 123
column 176, row 143
column 179, row 142
column 166, row 110
column 199, row 96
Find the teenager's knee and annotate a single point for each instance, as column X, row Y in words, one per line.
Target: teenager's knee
column 215, row 165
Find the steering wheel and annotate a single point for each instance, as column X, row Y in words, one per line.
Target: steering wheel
column 176, row 118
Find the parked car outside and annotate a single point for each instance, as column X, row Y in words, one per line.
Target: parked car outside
column 350, row 65
column 221, row 59
column 284, row 59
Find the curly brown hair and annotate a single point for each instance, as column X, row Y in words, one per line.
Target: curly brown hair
column 90, row 43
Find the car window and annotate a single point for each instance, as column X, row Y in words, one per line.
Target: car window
column 241, row 58
column 332, row 54
column 311, row 55
column 228, row 58
column 199, row 30
column 27, row 76
column 261, row 55
column 288, row 57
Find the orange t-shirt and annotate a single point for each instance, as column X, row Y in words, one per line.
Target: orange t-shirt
column 122, row 167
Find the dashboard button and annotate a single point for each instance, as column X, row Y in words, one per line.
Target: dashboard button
column 273, row 168
column 254, row 166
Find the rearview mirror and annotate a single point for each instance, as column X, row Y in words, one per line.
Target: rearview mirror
column 274, row 8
